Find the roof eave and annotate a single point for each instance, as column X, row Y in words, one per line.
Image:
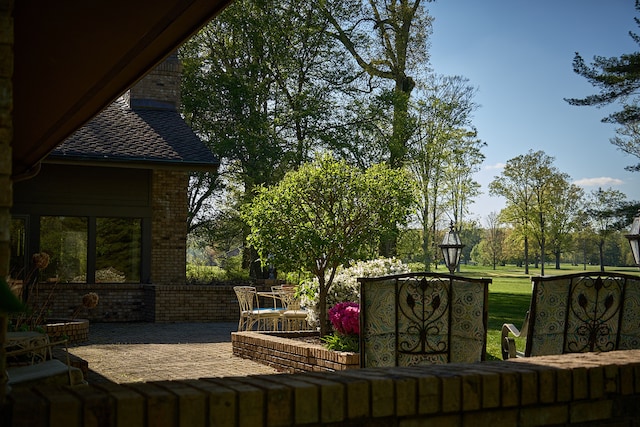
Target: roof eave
column 133, row 163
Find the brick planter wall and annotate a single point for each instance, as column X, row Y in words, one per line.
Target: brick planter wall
column 75, row 331
column 288, row 355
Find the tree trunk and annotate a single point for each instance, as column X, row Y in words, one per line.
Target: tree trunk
column 557, row 254
column 526, row 255
column 601, row 251
column 324, row 325
column 542, row 244
column 426, row 252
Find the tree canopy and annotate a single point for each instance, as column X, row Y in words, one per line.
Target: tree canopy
column 325, row 214
column 618, row 80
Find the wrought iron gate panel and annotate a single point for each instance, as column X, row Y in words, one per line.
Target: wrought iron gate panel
column 422, row 318
column 593, row 317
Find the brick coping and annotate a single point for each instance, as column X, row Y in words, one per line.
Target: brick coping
column 581, row 390
column 278, row 350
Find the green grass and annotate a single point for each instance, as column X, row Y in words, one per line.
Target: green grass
column 510, row 295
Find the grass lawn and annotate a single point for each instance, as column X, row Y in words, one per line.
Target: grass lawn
column 510, row 294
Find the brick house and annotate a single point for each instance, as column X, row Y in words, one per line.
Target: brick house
column 109, row 205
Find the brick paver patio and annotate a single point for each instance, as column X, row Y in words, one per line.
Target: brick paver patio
column 134, row 352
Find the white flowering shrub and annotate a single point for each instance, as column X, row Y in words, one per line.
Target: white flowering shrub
column 345, row 286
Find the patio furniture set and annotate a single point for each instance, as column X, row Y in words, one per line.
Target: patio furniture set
column 430, row 318
column 284, row 313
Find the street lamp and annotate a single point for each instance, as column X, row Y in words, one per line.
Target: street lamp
column 452, row 249
column 634, row 238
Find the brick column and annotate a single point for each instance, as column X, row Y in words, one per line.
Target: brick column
column 169, row 227
column 6, row 136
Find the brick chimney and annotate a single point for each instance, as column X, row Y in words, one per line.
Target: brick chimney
column 160, row 88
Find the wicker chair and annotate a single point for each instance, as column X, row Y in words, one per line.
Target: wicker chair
column 250, row 312
column 294, row 318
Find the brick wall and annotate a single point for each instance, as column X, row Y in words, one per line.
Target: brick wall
column 583, row 390
column 144, row 303
column 168, row 227
column 117, row 302
column 188, row 303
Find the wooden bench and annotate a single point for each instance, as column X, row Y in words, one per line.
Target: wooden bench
column 577, row 313
column 421, row 319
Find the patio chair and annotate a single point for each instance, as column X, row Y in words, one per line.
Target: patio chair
column 35, row 365
column 294, row 318
column 250, row 312
column 422, row 319
column 577, row 313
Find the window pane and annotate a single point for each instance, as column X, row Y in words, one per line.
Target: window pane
column 65, row 240
column 18, row 242
column 118, row 250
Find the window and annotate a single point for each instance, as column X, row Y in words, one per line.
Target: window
column 91, row 250
column 118, row 250
column 18, row 267
column 64, row 239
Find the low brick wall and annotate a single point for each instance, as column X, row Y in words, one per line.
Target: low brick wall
column 287, row 355
column 117, row 302
column 75, row 331
column 582, row 390
column 145, row 303
column 195, row 303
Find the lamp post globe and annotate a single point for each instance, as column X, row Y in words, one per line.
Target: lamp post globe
column 634, row 238
column 451, row 247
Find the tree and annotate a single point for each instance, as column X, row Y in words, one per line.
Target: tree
column 564, row 217
column 618, row 79
column 547, row 185
column 463, row 161
column 323, row 215
column 536, row 193
column 584, row 238
column 443, row 155
column 260, row 86
column 606, row 210
column 494, row 238
column 514, row 184
column 388, row 40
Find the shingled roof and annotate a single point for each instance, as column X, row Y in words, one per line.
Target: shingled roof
column 121, row 136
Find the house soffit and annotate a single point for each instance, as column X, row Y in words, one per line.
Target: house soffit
column 73, row 58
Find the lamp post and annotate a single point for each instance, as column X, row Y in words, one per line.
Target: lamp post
column 634, row 238
column 451, row 249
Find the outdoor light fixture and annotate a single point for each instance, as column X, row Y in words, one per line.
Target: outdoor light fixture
column 452, row 249
column 634, row 238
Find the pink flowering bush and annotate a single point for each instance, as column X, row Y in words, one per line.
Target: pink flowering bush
column 345, row 318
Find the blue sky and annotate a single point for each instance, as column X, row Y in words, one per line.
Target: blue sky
column 518, row 55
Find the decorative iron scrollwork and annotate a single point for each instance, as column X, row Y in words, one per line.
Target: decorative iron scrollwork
column 423, row 306
column 593, row 314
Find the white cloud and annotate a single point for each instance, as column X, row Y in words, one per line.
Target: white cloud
column 496, row 166
column 603, row 181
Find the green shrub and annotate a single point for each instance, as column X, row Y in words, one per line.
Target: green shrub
column 204, row 274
